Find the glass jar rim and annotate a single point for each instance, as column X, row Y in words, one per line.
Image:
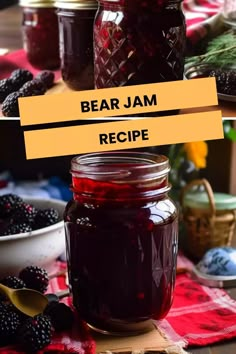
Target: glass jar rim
column 77, row 4
column 120, row 166
column 166, row 2
column 37, row 3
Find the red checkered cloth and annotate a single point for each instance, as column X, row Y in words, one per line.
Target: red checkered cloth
column 16, row 60
column 199, row 316
column 201, row 17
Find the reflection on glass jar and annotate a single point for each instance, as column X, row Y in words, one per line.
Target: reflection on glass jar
column 40, row 33
column 138, row 42
column 121, row 234
column 76, row 42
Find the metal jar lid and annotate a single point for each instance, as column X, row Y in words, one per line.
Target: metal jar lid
column 77, row 4
column 37, row 3
column 200, row 200
column 198, row 194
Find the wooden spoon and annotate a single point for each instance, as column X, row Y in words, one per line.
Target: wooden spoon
column 30, row 302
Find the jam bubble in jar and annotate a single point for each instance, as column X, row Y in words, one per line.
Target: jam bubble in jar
column 138, row 42
column 40, row 33
column 121, row 236
column 76, row 19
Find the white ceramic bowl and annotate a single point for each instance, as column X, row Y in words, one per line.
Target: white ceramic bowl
column 40, row 247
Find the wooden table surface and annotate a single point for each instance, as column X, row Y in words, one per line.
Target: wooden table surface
column 10, row 37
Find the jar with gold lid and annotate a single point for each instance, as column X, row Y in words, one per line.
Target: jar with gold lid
column 76, row 19
column 40, row 33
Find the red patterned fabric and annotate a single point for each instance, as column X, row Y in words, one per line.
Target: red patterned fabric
column 15, row 60
column 199, row 17
column 199, row 316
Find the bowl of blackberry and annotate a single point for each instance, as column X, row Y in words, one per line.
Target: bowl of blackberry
column 225, row 79
column 19, row 332
column 31, row 232
column 21, row 83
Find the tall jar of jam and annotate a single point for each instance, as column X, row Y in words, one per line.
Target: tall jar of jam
column 121, row 236
column 40, row 33
column 138, row 42
column 76, row 19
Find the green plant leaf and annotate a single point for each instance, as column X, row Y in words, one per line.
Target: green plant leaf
column 229, row 131
column 220, row 51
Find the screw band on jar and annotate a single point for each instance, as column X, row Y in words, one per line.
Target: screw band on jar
column 37, row 3
column 77, row 4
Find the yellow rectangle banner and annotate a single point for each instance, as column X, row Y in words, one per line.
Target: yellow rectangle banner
column 123, row 135
column 119, row 101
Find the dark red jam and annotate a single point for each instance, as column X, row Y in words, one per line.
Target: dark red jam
column 76, row 47
column 40, row 37
column 138, row 42
column 121, row 235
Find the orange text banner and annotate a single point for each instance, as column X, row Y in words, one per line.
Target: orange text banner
column 123, row 135
column 119, row 101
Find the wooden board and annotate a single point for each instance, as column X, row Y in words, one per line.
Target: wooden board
column 153, row 341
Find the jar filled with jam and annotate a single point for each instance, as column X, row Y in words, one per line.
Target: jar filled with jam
column 121, row 235
column 138, row 42
column 40, row 33
column 76, row 19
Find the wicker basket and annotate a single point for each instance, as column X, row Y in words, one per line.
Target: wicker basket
column 206, row 228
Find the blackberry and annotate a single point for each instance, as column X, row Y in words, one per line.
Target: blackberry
column 8, row 204
column 3, row 307
column 215, row 73
column 24, row 213
column 13, row 282
column 9, row 324
column 231, row 78
column 229, row 90
column 61, row 316
column 35, row 278
column 225, row 81
column 47, row 77
column 13, row 229
column 6, row 87
column 10, row 107
column 45, row 218
column 33, row 88
column 35, row 333
column 20, row 76
column 220, row 77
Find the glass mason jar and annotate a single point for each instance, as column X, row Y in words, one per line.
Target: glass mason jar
column 76, row 19
column 121, row 234
column 40, row 33
column 138, row 42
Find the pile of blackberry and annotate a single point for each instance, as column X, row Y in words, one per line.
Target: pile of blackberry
column 225, row 81
column 32, row 334
column 22, row 84
column 17, row 216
